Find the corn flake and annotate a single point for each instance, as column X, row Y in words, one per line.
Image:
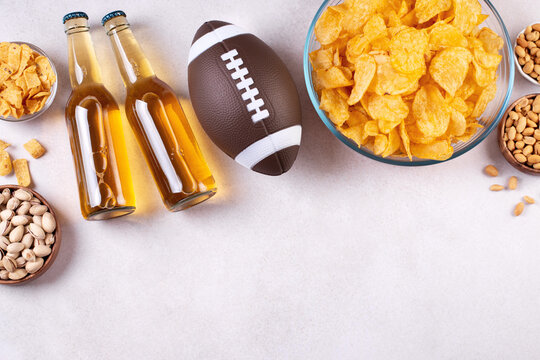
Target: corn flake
column 25, row 80
column 5, row 164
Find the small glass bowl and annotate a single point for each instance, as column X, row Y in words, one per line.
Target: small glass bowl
column 520, row 68
column 489, row 119
column 50, row 100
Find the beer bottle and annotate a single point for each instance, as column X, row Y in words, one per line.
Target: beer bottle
column 95, row 131
column 158, row 121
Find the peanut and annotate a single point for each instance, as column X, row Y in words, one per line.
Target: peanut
column 518, row 210
column 512, row 183
column 491, row 170
column 528, row 199
column 496, row 187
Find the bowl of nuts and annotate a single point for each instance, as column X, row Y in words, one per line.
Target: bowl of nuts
column 519, row 135
column 527, row 53
column 29, row 235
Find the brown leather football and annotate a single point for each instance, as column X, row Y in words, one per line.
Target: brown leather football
column 245, row 98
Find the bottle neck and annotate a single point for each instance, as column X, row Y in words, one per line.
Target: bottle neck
column 131, row 60
column 83, row 64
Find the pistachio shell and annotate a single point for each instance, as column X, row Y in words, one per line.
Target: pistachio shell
column 19, row 220
column 6, row 214
column 48, row 222
column 27, row 241
column 20, row 261
column 9, row 264
column 22, row 195
column 38, row 210
column 24, row 208
column 38, row 220
column 33, row 266
column 4, row 242
column 13, row 203
column 50, row 239
column 5, row 228
column 36, row 231
column 4, row 275
column 16, row 235
column 18, row 274
column 28, row 255
column 42, row 250
column 15, row 247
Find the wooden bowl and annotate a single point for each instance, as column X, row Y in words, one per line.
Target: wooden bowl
column 502, row 146
column 54, row 248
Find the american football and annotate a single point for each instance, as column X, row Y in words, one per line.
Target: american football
column 245, row 98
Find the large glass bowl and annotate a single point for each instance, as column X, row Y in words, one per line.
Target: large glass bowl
column 489, row 119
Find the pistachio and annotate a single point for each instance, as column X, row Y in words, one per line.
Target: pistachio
column 48, row 223
column 36, row 231
column 22, row 195
column 16, row 235
column 9, row 264
column 19, row 220
column 33, row 266
column 6, row 214
column 27, row 240
column 4, row 242
column 38, row 242
column 4, row 275
column 5, row 227
column 42, row 250
column 29, row 255
column 6, row 193
column 13, row 203
column 38, row 210
column 50, row 239
column 38, row 220
column 18, row 274
column 20, row 261
column 24, row 208
column 15, row 247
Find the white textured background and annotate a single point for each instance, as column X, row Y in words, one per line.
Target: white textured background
column 342, row 258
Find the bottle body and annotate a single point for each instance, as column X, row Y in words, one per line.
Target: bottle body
column 96, row 136
column 99, row 153
column 160, row 125
column 168, row 144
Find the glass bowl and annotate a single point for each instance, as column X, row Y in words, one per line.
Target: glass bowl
column 50, row 100
column 489, row 119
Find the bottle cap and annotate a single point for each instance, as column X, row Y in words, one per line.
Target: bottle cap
column 74, row 15
column 111, row 15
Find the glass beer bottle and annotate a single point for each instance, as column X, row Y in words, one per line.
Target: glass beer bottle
column 95, row 131
column 158, row 121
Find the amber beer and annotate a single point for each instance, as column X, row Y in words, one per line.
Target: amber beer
column 95, row 131
column 162, row 130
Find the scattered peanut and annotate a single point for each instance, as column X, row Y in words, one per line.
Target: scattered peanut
column 519, row 209
column 528, row 199
column 496, row 187
column 491, row 170
column 513, row 183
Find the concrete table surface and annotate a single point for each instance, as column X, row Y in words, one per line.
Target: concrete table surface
column 342, row 258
